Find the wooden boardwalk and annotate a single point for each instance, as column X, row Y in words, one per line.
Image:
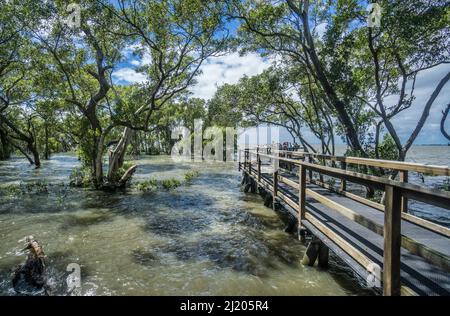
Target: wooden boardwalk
column 384, row 244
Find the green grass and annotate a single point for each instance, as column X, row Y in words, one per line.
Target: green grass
column 190, row 175
column 166, row 184
column 170, row 184
column 37, row 187
column 147, row 186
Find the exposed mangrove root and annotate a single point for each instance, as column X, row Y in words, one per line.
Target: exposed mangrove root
column 127, row 176
column 32, row 274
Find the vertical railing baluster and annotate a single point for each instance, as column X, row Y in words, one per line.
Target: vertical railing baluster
column 343, row 181
column 301, row 200
column 249, row 163
column 275, row 186
column 392, row 241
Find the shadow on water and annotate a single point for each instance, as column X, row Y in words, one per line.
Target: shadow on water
column 256, row 256
column 146, row 258
column 87, row 218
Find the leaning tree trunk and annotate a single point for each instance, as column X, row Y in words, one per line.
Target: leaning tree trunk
column 117, row 158
column 445, row 114
column 33, row 149
column 47, row 149
column 5, row 149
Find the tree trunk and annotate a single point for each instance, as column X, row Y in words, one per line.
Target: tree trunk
column 444, row 117
column 116, row 156
column 46, row 150
column 30, row 160
column 33, row 149
column 5, row 150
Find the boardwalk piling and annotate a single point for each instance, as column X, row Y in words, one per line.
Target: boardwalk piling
column 311, row 253
column 323, row 255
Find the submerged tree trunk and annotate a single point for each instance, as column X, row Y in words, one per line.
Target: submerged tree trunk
column 117, row 155
column 33, row 149
column 47, row 149
column 5, row 149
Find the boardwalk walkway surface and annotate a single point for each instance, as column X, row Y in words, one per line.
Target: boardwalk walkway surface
column 355, row 228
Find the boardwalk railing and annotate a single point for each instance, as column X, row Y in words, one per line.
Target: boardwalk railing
column 395, row 193
column 345, row 163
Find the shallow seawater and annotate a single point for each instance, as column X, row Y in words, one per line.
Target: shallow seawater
column 206, row 237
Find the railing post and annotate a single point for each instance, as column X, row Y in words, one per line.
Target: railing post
column 245, row 158
column 249, row 163
column 343, row 181
column 239, row 160
column 392, row 241
column 275, row 186
column 301, row 200
column 259, row 166
column 404, row 178
column 310, row 171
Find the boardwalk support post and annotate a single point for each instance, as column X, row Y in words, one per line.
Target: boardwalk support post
column 392, row 241
column 239, row 160
column 323, row 256
column 311, row 253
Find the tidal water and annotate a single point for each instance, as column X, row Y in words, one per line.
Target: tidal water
column 206, row 237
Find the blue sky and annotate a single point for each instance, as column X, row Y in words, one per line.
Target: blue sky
column 230, row 68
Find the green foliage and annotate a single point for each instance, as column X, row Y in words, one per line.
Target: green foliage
column 166, row 184
column 121, row 171
column 12, row 190
column 147, row 186
column 81, row 177
column 190, row 175
column 387, row 149
column 170, row 184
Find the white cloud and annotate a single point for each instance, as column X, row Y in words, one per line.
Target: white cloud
column 321, row 29
column 407, row 120
column 129, row 75
column 217, row 71
column 135, row 62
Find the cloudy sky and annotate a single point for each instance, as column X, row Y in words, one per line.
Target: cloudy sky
column 230, row 68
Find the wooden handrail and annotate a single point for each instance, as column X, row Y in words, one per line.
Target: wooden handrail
column 412, row 191
column 380, row 163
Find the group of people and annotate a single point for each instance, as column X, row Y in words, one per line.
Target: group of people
column 288, row 146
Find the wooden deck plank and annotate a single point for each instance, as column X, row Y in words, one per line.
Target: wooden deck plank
column 416, row 273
